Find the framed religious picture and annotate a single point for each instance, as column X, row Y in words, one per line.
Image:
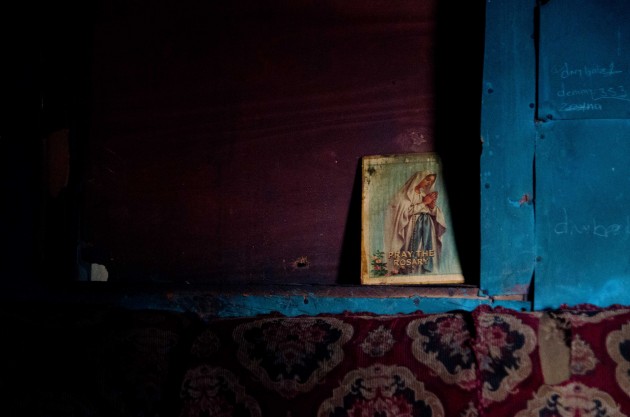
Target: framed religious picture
column 406, row 232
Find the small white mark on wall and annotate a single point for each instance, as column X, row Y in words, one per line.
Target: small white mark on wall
column 98, row 272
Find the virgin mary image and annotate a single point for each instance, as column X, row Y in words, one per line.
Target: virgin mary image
column 414, row 226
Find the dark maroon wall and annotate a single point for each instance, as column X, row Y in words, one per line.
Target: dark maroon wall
column 224, row 138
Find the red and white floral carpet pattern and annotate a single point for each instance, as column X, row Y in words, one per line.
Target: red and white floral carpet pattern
column 488, row 362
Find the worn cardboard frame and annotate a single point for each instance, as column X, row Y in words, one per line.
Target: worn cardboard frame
column 406, row 230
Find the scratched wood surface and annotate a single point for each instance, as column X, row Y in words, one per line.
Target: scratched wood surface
column 225, row 138
column 207, row 301
column 582, row 215
column 582, row 174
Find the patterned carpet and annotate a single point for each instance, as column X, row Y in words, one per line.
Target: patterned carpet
column 91, row 361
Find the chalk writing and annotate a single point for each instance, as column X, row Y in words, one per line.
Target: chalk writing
column 588, row 87
column 580, row 106
column 564, row 71
column 618, row 93
column 594, row 227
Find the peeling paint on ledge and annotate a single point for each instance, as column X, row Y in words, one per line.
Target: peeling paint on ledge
column 291, row 306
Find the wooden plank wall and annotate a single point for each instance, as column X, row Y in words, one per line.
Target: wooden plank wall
column 215, row 144
column 225, row 138
column 508, row 254
column 582, row 216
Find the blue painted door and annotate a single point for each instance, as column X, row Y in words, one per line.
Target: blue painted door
column 555, row 167
column 583, row 154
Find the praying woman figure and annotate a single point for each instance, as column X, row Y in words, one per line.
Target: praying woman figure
column 414, row 226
